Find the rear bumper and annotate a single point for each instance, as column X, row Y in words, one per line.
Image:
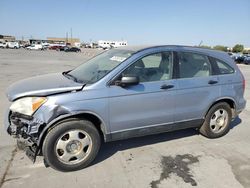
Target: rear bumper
column 241, row 106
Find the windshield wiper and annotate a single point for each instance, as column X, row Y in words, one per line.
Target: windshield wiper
column 71, row 77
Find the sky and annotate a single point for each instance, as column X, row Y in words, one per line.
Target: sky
column 184, row 22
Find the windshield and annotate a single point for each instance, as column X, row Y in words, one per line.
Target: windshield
column 99, row 66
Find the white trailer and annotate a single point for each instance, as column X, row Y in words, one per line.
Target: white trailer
column 111, row 44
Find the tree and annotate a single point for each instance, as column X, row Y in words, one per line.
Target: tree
column 238, row 48
column 221, row 48
column 205, row 46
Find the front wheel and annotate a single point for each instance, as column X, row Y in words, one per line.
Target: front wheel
column 71, row 145
column 217, row 121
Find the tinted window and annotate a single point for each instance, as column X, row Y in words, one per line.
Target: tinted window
column 154, row 67
column 193, row 65
column 223, row 67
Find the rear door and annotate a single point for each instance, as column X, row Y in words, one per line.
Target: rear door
column 197, row 87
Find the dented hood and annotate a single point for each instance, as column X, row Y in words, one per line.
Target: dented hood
column 42, row 86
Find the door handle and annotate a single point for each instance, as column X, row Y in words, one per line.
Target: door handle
column 211, row 82
column 165, row 86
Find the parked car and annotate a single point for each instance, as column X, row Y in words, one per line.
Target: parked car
column 72, row 49
column 88, row 45
column 26, row 45
column 35, row 47
column 2, row 44
column 13, row 45
column 56, row 47
column 247, row 60
column 123, row 93
column 239, row 59
column 64, row 48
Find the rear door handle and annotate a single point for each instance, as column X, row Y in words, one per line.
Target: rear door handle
column 211, row 82
column 165, row 86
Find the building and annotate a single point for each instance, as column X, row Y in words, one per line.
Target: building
column 56, row 41
column 247, row 50
column 7, row 38
column 38, row 41
column 69, row 41
column 108, row 44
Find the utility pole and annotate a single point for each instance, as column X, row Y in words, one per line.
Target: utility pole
column 67, row 38
column 71, row 35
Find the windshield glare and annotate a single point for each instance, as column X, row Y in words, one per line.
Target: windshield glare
column 99, row 66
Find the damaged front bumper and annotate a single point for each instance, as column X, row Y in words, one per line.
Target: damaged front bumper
column 25, row 129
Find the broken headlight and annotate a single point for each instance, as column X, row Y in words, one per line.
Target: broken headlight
column 27, row 105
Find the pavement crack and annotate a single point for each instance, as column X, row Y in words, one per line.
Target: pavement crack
column 3, row 179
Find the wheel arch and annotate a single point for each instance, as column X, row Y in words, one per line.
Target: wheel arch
column 230, row 101
column 94, row 118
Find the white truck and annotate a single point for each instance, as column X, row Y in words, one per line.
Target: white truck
column 2, row 44
column 14, row 45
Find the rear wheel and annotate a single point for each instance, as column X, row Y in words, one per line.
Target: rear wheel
column 217, row 121
column 71, row 145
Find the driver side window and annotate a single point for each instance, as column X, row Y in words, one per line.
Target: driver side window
column 153, row 67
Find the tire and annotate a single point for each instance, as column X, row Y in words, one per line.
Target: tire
column 217, row 121
column 80, row 142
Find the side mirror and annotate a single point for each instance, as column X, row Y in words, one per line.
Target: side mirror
column 128, row 81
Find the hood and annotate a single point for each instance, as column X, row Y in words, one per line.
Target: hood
column 42, row 86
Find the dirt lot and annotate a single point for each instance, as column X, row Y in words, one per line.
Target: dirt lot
column 177, row 159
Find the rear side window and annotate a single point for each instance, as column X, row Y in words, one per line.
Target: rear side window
column 223, row 67
column 193, row 65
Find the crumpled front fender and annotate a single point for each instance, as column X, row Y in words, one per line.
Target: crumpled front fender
column 60, row 113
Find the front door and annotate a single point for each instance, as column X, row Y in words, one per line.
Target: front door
column 150, row 104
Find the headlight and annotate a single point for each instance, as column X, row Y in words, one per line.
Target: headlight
column 27, row 105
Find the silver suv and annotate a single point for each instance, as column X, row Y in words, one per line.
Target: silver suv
column 123, row 93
